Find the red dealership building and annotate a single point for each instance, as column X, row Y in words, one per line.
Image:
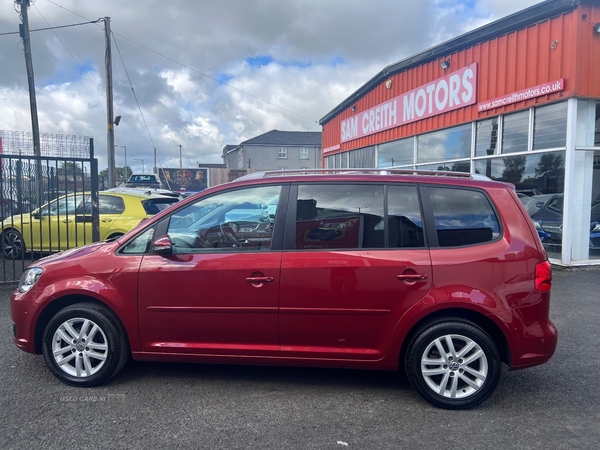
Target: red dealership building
column 517, row 100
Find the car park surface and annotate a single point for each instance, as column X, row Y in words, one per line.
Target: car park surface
column 166, row 405
column 436, row 274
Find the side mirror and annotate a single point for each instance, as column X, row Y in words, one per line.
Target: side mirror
column 162, row 246
column 539, row 204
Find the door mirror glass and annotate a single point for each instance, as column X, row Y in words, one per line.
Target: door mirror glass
column 162, row 246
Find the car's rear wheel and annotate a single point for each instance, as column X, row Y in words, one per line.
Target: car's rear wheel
column 13, row 246
column 84, row 345
column 453, row 365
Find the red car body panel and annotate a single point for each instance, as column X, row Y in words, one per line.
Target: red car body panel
column 329, row 307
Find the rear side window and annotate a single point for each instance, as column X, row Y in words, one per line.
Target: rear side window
column 463, row 217
column 156, row 205
column 107, row 204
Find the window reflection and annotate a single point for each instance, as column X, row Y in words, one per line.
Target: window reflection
column 486, row 138
column 457, row 166
column 550, row 126
column 397, row 153
column 531, row 174
column 515, row 132
column 451, row 143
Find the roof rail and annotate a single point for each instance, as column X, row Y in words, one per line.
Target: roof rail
column 361, row 171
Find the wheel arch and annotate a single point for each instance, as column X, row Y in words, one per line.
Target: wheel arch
column 460, row 314
column 53, row 307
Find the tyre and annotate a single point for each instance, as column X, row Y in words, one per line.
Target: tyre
column 13, row 246
column 84, row 345
column 453, row 365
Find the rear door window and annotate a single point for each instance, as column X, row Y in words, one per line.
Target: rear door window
column 338, row 216
column 463, row 217
column 405, row 224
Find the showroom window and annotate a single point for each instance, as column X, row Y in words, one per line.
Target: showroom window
column 451, row 143
column 550, row 126
column 486, row 137
column 515, row 132
column 454, row 166
column 363, row 157
column 532, row 174
column 397, row 153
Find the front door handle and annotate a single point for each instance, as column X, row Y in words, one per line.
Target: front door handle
column 259, row 281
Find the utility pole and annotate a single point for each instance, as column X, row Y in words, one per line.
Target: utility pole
column 110, row 134
column 155, row 170
column 24, row 32
column 180, row 162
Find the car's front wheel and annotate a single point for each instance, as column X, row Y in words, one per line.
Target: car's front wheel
column 84, row 345
column 13, row 246
column 453, row 365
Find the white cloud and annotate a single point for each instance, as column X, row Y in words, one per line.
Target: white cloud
column 315, row 54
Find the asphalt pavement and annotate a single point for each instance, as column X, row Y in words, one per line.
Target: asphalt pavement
column 153, row 405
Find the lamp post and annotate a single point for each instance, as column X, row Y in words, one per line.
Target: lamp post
column 124, row 148
column 143, row 165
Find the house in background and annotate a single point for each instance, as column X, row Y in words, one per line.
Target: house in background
column 276, row 150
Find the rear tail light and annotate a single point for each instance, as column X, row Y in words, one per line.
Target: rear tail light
column 543, row 276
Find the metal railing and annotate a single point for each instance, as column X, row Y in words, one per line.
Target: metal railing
column 38, row 201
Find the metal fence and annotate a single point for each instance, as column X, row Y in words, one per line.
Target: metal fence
column 38, row 200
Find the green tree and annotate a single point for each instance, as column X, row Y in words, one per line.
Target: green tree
column 514, row 169
column 120, row 172
column 70, row 168
column 549, row 163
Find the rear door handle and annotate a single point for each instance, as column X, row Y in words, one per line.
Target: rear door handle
column 412, row 276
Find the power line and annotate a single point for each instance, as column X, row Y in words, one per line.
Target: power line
column 83, row 70
column 66, row 48
column 52, row 28
column 132, row 90
column 215, row 79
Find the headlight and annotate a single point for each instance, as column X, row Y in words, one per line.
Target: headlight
column 29, row 278
column 537, row 225
column 595, row 227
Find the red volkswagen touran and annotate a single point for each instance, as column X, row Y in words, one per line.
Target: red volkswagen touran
column 441, row 275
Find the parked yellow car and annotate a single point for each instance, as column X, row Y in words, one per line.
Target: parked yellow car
column 66, row 222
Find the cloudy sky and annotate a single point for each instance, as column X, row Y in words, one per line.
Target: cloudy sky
column 211, row 72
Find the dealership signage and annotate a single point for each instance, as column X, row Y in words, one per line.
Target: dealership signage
column 453, row 91
column 522, row 95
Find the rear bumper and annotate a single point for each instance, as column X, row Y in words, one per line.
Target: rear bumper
column 533, row 336
column 537, row 346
